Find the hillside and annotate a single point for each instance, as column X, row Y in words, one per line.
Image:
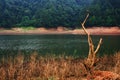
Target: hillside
column 54, row 13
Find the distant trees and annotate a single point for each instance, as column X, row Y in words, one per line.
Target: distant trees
column 53, row 13
column 105, row 13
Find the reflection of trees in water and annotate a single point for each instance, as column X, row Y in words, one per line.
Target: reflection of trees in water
column 56, row 44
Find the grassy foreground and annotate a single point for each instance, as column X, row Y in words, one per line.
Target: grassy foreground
column 35, row 67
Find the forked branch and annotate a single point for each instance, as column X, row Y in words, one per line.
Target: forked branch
column 91, row 59
column 84, row 24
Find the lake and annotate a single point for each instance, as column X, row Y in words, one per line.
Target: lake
column 75, row 45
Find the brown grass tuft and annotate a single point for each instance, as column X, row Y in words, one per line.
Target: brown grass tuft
column 55, row 68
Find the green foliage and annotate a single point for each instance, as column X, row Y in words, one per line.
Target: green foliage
column 105, row 12
column 27, row 28
column 53, row 13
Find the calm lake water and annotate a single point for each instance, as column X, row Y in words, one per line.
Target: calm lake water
column 56, row 44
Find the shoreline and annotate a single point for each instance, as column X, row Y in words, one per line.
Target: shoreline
column 42, row 31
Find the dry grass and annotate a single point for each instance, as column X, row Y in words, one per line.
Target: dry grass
column 53, row 68
column 110, row 63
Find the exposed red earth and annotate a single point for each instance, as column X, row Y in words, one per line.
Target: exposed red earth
column 99, row 31
column 62, row 30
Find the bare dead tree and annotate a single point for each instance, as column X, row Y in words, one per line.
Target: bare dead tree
column 91, row 59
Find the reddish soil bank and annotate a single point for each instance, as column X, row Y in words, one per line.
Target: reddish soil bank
column 99, row 31
column 62, row 30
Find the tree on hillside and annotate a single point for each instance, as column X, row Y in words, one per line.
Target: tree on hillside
column 53, row 13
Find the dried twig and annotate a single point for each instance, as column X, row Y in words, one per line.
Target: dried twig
column 90, row 61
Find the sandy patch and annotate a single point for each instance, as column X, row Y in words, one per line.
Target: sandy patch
column 62, row 30
column 99, row 31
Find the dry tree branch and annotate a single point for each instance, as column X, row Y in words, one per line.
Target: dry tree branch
column 91, row 59
column 100, row 41
column 84, row 24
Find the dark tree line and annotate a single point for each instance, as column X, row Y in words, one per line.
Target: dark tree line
column 53, row 13
column 105, row 12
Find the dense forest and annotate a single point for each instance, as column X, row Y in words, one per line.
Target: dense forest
column 53, row 13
